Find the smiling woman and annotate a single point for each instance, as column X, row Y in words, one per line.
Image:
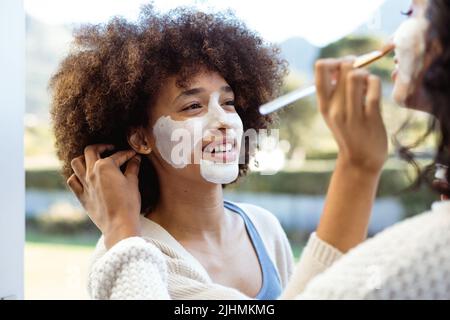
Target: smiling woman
column 103, row 90
column 137, row 89
column 144, row 86
column 410, row 260
column 216, row 153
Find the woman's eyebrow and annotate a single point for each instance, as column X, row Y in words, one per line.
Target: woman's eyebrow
column 226, row 89
column 195, row 91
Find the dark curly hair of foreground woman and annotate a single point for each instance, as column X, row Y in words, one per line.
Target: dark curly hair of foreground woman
column 107, row 83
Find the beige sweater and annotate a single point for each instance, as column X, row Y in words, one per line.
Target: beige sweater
column 157, row 266
column 410, row 260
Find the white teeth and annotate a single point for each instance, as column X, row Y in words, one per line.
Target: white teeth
column 219, row 148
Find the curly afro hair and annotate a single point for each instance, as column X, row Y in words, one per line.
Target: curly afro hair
column 108, row 81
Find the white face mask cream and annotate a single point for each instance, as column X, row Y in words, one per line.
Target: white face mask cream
column 410, row 47
column 177, row 141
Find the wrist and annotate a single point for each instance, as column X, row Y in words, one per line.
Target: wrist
column 116, row 233
column 358, row 170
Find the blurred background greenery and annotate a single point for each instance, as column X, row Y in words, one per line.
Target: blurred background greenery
column 57, row 225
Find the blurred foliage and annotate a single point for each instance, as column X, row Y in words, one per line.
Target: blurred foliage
column 359, row 45
column 44, row 179
column 62, row 218
column 300, row 123
column 38, row 140
column 84, row 238
column 314, row 182
column 351, row 45
column 296, row 121
column 394, row 182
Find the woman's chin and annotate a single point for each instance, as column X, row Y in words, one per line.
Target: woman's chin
column 415, row 101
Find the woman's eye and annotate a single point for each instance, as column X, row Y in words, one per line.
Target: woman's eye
column 407, row 13
column 192, row 107
column 230, row 103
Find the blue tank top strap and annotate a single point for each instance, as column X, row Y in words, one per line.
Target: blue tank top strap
column 271, row 284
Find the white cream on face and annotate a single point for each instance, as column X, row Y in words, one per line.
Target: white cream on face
column 410, row 47
column 215, row 172
column 171, row 136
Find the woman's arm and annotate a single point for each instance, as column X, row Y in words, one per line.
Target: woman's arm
column 317, row 256
column 131, row 269
column 111, row 198
column 349, row 101
column 348, row 205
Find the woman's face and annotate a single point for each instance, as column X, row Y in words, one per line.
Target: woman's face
column 195, row 131
column 411, row 58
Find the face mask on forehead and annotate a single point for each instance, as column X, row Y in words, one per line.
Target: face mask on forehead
column 178, row 141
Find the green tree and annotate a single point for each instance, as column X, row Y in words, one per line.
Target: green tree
column 358, row 45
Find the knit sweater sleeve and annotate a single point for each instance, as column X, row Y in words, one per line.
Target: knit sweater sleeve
column 409, row 260
column 317, row 256
column 132, row 269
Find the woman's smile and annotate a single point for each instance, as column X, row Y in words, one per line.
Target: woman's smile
column 222, row 150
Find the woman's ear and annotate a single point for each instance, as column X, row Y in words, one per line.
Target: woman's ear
column 436, row 48
column 139, row 141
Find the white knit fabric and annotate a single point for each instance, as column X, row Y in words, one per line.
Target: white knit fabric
column 410, row 260
column 317, row 256
column 132, row 269
column 186, row 278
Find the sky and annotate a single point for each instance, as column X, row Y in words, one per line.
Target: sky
column 318, row 21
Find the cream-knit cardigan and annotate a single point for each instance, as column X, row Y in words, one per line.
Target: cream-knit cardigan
column 410, row 260
column 137, row 267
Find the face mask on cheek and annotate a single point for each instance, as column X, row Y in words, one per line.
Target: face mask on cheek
column 177, row 141
column 410, row 46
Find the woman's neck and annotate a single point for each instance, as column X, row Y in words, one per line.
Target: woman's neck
column 190, row 210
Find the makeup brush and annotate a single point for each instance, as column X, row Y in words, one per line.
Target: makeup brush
column 360, row 62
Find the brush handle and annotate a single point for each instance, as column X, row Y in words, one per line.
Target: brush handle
column 286, row 99
column 298, row 94
column 367, row 59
